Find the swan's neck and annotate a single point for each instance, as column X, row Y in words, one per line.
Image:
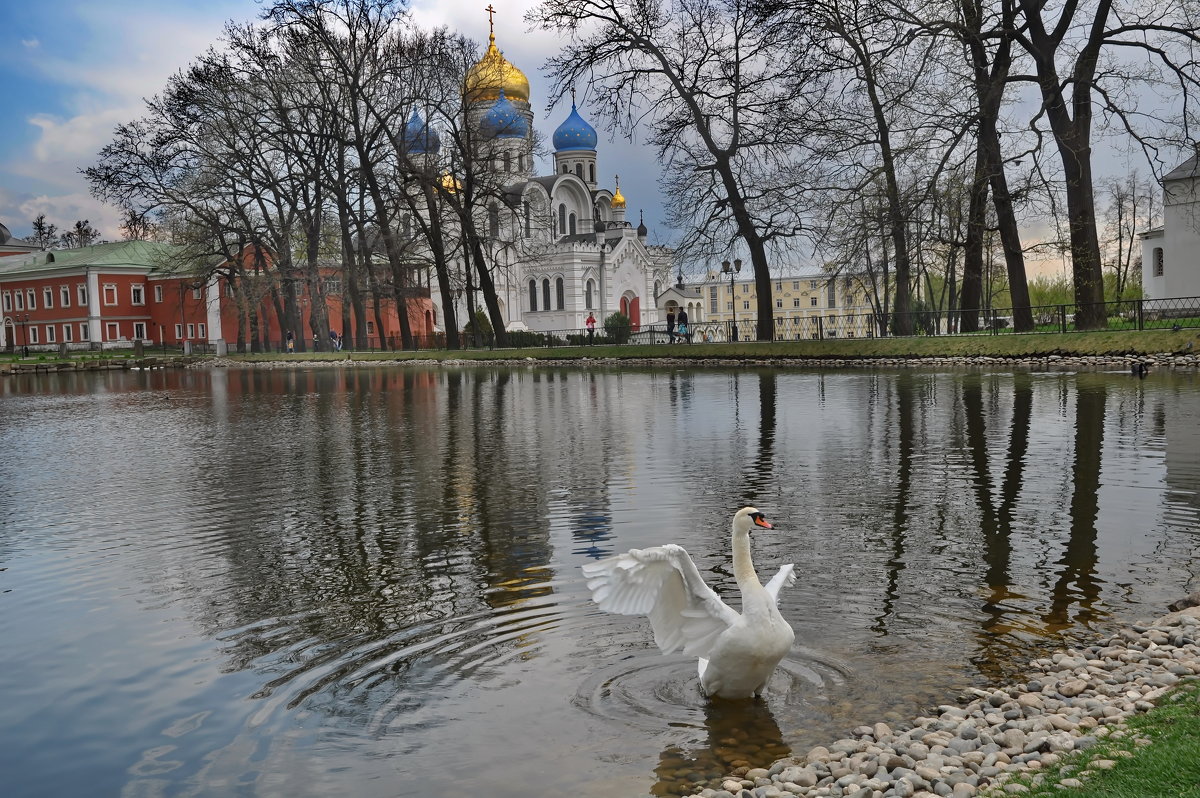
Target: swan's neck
column 743, row 566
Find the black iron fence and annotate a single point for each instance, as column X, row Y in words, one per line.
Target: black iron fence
column 1126, row 314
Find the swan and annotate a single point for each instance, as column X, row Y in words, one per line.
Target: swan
column 737, row 652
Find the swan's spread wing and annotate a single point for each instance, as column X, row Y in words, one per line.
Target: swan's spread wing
column 785, row 578
column 663, row 583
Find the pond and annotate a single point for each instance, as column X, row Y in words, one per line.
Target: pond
column 367, row 581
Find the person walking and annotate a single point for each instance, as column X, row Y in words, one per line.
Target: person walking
column 291, row 342
column 682, row 320
column 671, row 325
column 591, row 328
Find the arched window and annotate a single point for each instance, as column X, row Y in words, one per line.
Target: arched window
column 571, row 224
column 562, row 220
column 407, row 221
column 1158, row 262
column 565, row 168
column 591, row 173
column 579, row 170
column 521, row 161
column 507, row 163
column 546, row 293
column 533, row 294
column 587, row 294
column 494, row 220
column 528, row 220
column 559, row 294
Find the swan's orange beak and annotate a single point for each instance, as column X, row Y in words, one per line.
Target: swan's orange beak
column 760, row 521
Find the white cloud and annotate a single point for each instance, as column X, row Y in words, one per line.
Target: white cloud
column 30, row 44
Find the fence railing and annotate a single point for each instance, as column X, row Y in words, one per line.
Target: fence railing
column 1125, row 314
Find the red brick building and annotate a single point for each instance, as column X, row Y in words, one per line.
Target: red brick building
column 110, row 295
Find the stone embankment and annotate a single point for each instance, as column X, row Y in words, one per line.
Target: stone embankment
column 1070, row 701
column 1146, row 363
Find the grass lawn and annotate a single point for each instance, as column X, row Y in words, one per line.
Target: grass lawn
column 1156, row 755
column 1111, row 342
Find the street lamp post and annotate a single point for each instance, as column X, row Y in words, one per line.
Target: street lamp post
column 732, row 271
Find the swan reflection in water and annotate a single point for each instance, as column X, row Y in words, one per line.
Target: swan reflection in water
column 741, row 734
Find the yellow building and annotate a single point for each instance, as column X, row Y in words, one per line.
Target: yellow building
column 806, row 306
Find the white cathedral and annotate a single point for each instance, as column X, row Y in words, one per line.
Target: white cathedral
column 561, row 246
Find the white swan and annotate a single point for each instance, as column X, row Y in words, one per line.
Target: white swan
column 738, row 652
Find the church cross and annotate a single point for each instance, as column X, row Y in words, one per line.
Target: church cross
column 491, row 24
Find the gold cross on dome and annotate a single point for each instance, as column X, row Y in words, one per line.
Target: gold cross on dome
column 491, row 24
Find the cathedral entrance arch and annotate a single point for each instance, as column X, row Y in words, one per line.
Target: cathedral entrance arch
column 631, row 307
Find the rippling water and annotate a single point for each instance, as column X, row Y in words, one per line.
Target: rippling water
column 367, row 583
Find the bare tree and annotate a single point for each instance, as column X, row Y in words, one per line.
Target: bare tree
column 45, row 234
column 81, row 235
column 723, row 89
column 1077, row 50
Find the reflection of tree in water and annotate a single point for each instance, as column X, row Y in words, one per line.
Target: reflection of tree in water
column 1077, row 583
column 390, row 527
column 997, row 649
column 740, row 734
column 759, row 475
column 905, row 442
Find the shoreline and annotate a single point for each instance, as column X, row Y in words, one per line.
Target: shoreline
column 1070, row 702
column 1148, row 362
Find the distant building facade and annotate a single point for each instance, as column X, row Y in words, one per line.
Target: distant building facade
column 806, row 305
column 111, row 295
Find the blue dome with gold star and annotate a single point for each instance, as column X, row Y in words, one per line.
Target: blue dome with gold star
column 574, row 133
column 419, row 138
column 504, row 121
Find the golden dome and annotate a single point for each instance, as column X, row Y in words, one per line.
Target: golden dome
column 450, row 183
column 492, row 74
column 618, row 200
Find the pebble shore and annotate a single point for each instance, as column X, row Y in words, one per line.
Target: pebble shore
column 1070, row 701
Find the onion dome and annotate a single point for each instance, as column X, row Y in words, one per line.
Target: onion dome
column 503, row 121
column 574, row 133
column 618, row 200
column 450, row 183
column 494, row 75
column 419, row 139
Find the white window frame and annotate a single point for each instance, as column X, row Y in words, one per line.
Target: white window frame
column 19, row 297
column 48, row 297
column 30, row 299
column 158, row 294
column 112, row 331
column 81, row 293
column 85, row 333
column 33, row 334
column 178, row 332
column 139, row 331
column 64, row 296
column 201, row 333
column 110, row 289
column 51, row 337
column 196, row 292
column 191, row 329
column 8, row 301
column 137, row 294
column 67, row 333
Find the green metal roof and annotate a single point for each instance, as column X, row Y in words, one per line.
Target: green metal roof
column 161, row 258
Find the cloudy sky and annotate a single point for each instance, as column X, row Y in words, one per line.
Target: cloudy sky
column 72, row 70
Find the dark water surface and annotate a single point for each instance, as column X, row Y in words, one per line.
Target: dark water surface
column 366, row 583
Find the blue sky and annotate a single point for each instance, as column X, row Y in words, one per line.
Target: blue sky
column 71, row 71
